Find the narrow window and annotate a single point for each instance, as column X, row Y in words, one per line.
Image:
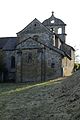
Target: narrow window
column 53, row 40
column 60, row 31
column 12, row 62
column 35, row 25
column 52, row 65
column 56, row 41
column 30, row 58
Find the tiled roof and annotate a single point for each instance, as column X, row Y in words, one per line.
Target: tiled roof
column 7, row 43
column 2, row 42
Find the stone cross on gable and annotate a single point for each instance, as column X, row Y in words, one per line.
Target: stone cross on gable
column 52, row 13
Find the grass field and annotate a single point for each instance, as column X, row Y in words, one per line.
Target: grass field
column 44, row 101
column 26, row 102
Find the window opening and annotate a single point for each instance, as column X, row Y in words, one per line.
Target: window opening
column 52, row 21
column 12, row 62
column 30, row 58
column 51, row 29
column 35, row 25
column 60, row 31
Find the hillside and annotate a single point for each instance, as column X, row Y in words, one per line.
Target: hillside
column 58, row 99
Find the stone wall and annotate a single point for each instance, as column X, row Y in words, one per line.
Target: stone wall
column 30, row 66
column 53, row 64
column 34, row 28
column 41, row 65
column 11, row 72
column 28, row 61
column 67, row 66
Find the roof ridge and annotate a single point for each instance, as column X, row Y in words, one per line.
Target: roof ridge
column 7, row 37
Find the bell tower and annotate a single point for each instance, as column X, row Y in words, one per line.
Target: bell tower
column 57, row 26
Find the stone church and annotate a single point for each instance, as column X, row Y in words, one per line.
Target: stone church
column 38, row 53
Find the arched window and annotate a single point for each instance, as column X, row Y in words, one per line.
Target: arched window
column 35, row 37
column 12, row 62
column 29, row 58
column 60, row 31
column 52, row 21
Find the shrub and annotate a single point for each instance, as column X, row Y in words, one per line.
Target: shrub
column 76, row 66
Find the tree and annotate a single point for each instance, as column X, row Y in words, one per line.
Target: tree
column 77, row 54
column 76, row 66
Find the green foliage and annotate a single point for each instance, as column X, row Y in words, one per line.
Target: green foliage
column 76, row 66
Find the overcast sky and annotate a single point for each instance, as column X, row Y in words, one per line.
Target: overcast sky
column 16, row 14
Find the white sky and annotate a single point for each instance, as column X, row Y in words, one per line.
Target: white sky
column 16, row 14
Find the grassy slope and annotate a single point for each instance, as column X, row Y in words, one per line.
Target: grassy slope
column 53, row 100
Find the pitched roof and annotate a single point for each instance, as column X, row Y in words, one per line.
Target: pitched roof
column 34, row 21
column 47, row 46
column 7, row 43
column 3, row 42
